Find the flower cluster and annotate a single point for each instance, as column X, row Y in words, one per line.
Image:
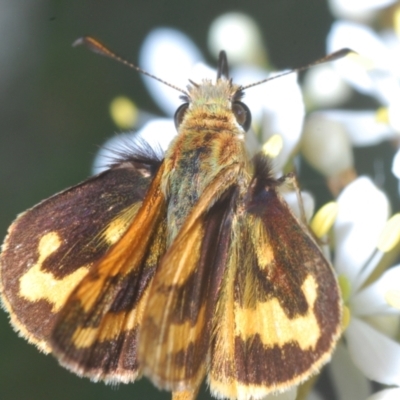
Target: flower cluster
column 366, row 240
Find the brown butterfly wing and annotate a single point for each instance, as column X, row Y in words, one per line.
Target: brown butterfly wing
column 95, row 334
column 51, row 247
column 278, row 316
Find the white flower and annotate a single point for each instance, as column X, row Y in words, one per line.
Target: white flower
column 270, row 104
column 323, row 86
column 170, row 55
column 239, row 35
column 326, row 144
column 363, row 128
column 330, row 135
column 387, row 394
column 396, row 167
column 372, row 321
column 361, row 10
column 375, row 70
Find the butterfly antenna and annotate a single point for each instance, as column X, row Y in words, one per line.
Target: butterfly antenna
column 330, row 57
column 99, row 48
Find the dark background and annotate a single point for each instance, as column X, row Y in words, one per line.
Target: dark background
column 54, row 113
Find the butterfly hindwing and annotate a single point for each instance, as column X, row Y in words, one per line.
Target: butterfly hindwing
column 278, row 315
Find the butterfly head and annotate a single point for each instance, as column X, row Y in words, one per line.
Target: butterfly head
column 221, row 97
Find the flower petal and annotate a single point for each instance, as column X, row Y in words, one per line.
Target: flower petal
column 393, row 298
column 363, row 211
column 271, row 104
column 293, row 202
column 326, row 145
column 348, row 380
column 362, row 127
column 239, row 35
column 396, row 165
column 390, row 235
column 246, row 75
column 314, row 396
column 372, row 299
column 324, row 219
column 359, row 9
column 324, row 87
column 387, row 394
column 369, row 48
column 376, row 355
column 170, row 55
column 393, row 109
column 284, row 98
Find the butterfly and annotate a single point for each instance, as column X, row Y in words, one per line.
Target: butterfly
column 183, row 266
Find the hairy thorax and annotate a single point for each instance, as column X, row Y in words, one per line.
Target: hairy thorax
column 207, row 143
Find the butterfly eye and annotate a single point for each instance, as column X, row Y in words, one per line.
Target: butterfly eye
column 242, row 114
column 180, row 113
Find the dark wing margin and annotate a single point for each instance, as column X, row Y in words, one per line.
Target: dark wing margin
column 52, row 246
column 279, row 313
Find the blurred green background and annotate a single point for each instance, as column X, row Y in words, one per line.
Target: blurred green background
column 54, row 115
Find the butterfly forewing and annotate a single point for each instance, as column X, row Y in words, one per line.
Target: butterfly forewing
column 96, row 332
column 51, row 247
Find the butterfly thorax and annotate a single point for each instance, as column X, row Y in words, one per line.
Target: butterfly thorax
column 209, row 140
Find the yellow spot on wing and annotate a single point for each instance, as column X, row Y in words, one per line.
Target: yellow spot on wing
column 36, row 284
column 275, row 328
column 264, row 251
column 114, row 231
column 119, row 225
column 84, row 337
